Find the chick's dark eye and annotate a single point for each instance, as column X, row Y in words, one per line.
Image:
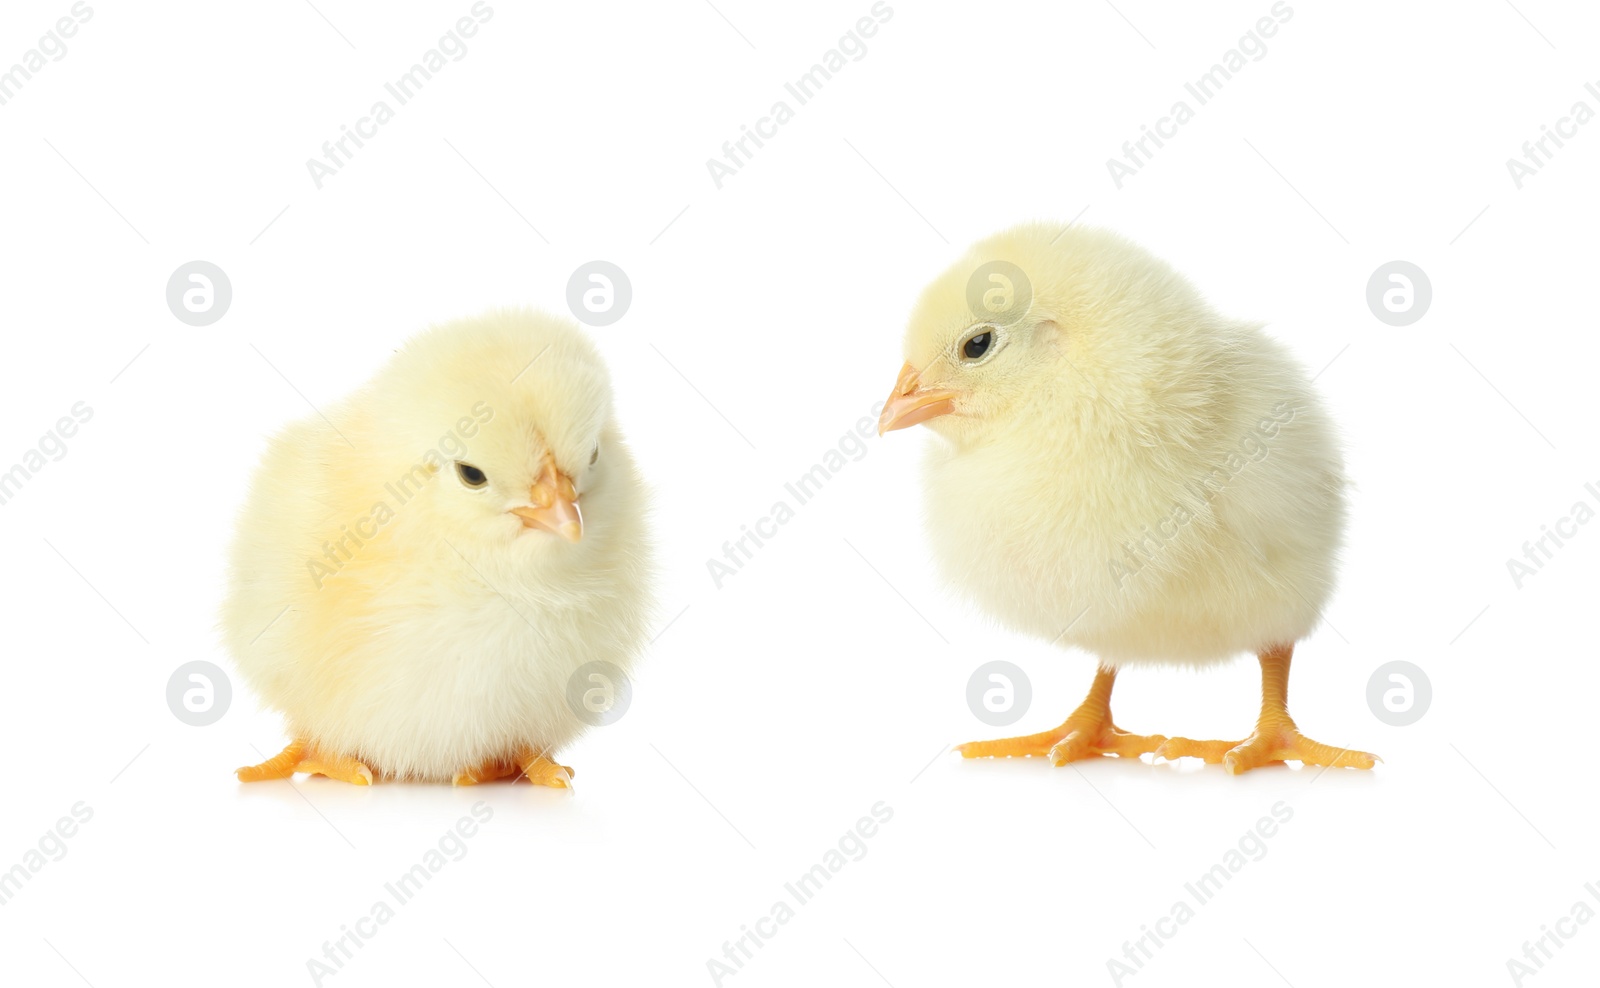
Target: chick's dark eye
column 471, row 475
column 977, row 346
column 594, row 456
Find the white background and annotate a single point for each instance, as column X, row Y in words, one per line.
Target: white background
column 774, row 712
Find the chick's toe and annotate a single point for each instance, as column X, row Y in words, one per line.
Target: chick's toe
column 342, row 769
column 303, row 757
column 1086, row 733
column 1286, row 743
column 541, row 771
column 279, row 766
column 1276, row 738
column 1268, row 745
column 1210, row 752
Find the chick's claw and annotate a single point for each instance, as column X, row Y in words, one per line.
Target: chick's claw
column 1276, row 738
column 1073, row 741
column 301, row 756
column 1210, row 752
column 1032, row 744
column 1112, row 741
column 541, row 771
column 279, row 766
column 538, row 769
column 340, row 769
column 1269, row 745
column 1286, row 743
column 1087, row 732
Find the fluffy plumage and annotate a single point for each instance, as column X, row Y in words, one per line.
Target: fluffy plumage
column 1126, row 471
column 1155, row 479
column 400, row 617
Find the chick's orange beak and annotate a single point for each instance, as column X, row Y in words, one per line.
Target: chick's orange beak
column 555, row 505
column 910, row 403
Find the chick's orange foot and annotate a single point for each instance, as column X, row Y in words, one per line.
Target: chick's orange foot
column 1276, row 738
column 1072, row 741
column 1269, row 744
column 302, row 756
column 539, row 770
column 1087, row 733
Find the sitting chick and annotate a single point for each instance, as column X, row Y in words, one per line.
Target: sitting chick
column 416, row 577
column 1125, row 471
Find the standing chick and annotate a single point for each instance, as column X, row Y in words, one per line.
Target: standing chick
column 1125, row 471
column 417, row 576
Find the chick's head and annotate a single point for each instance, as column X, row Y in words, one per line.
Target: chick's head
column 1039, row 325
column 498, row 430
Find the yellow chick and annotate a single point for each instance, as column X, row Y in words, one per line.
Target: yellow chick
column 1126, row 471
column 417, row 578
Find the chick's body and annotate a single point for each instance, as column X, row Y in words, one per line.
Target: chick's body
column 1125, row 470
column 1185, row 513
column 412, row 621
